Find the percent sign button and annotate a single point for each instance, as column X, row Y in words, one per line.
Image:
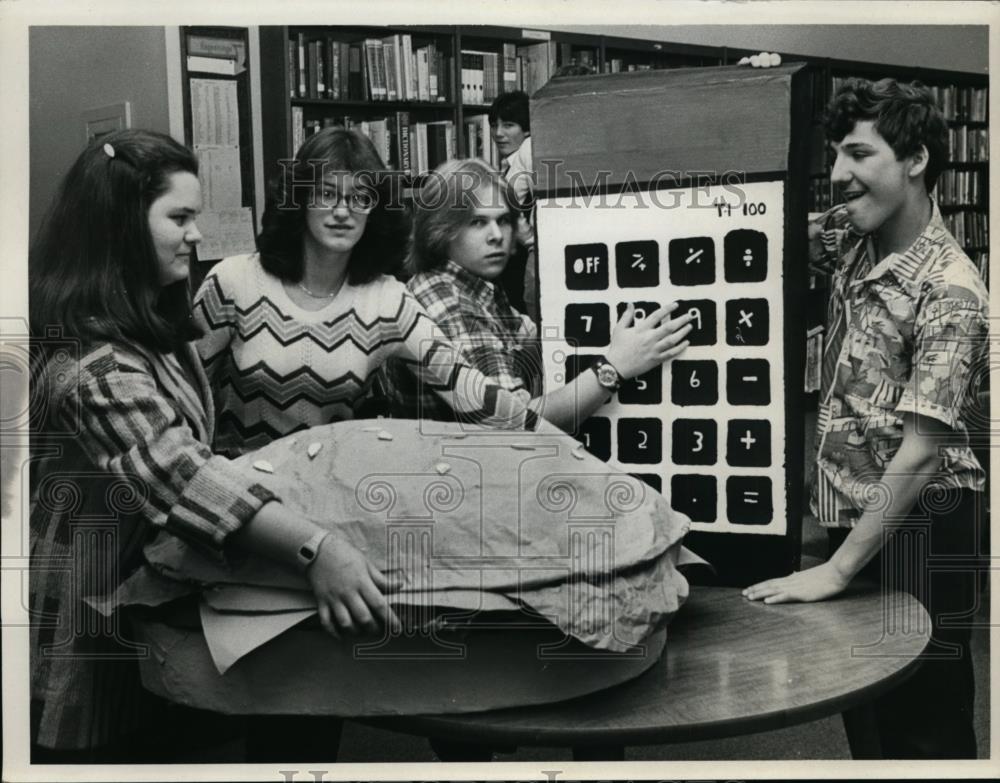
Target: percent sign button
column 692, row 261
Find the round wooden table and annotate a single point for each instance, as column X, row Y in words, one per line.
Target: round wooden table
column 731, row 667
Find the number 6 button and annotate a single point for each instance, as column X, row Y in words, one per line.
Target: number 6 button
column 694, row 382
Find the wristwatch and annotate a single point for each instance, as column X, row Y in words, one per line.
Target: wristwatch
column 310, row 549
column 606, row 373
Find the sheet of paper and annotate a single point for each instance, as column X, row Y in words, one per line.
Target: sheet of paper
column 215, row 114
column 231, row 636
column 220, row 178
column 226, row 232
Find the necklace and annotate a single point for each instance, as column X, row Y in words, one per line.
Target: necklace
column 319, row 296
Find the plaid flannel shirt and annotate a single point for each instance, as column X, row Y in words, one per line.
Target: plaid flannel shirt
column 491, row 335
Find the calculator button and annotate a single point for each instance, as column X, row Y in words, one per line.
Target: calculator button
column 637, row 264
column 746, row 256
column 694, row 382
column 642, row 309
column 695, row 495
column 640, row 441
column 652, row 479
column 703, row 329
column 587, row 267
column 588, row 324
column 747, row 322
column 694, row 442
column 748, row 443
column 748, row 381
column 748, row 500
column 645, row 389
column 595, row 435
column 577, row 363
column 692, row 261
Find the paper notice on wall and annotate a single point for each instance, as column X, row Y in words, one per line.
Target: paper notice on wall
column 226, row 232
column 219, row 174
column 215, row 114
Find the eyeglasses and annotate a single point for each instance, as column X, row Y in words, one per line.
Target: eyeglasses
column 358, row 201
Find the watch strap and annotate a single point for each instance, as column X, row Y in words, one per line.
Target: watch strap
column 307, row 553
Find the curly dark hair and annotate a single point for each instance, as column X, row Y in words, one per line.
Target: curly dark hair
column 93, row 266
column 383, row 245
column 905, row 115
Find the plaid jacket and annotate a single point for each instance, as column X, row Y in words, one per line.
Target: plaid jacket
column 123, row 453
column 492, row 336
column 915, row 329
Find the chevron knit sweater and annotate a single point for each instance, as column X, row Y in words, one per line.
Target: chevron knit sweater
column 276, row 368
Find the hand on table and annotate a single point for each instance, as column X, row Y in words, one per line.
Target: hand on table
column 639, row 345
column 350, row 590
column 813, row 584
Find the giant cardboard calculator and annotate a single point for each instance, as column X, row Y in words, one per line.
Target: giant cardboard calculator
column 686, row 185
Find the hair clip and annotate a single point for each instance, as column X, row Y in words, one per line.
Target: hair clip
column 109, row 150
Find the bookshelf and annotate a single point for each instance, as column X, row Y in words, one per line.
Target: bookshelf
column 215, row 71
column 474, row 65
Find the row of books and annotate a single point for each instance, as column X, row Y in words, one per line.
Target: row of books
column 971, row 229
column 405, row 145
column 966, row 104
column 968, row 144
column 373, row 69
column 959, row 187
column 486, row 75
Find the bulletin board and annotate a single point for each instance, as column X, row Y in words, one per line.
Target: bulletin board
column 649, row 212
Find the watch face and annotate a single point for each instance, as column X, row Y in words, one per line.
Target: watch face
column 608, row 376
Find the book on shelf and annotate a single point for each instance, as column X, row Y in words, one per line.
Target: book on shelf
column 392, row 53
column 538, row 62
column 408, row 67
column 375, row 70
column 300, row 54
column 298, row 128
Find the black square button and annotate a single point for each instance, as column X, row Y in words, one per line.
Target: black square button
column 578, row 362
column 595, row 435
column 652, row 479
column 748, row 381
column 694, row 382
column 588, row 324
column 703, row 330
column 637, row 264
column 748, row 443
column 748, row 500
column 642, row 309
column 697, row 496
column 645, row 389
column 587, row 267
column 694, row 442
column 692, row 261
column 640, row 441
column 746, row 256
column 747, row 322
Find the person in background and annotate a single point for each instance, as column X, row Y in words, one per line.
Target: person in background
column 123, row 430
column 463, row 231
column 511, row 129
column 907, row 325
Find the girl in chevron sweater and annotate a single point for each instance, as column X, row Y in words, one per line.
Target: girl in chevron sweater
column 295, row 334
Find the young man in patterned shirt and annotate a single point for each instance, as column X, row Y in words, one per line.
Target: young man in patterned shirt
column 897, row 483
